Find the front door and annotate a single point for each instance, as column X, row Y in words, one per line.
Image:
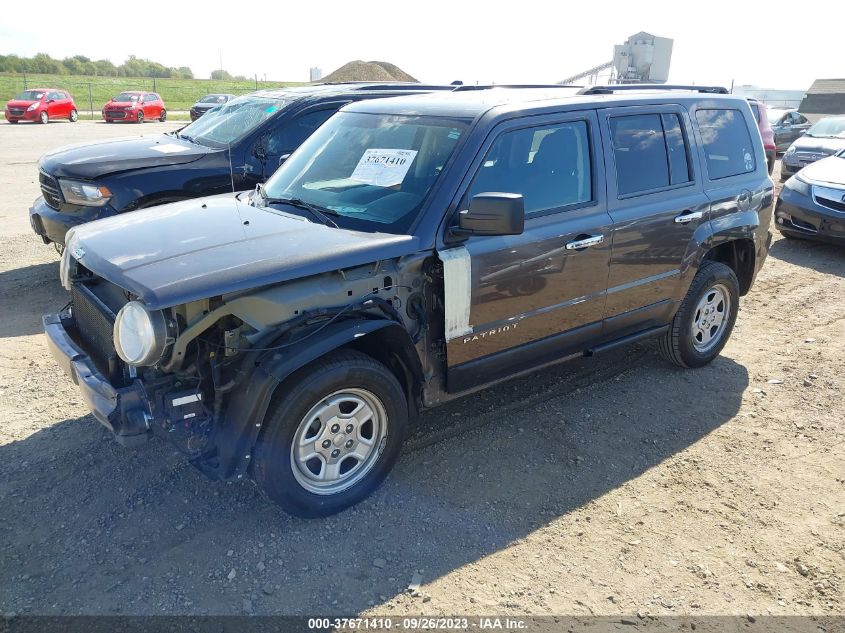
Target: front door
column 657, row 202
column 532, row 298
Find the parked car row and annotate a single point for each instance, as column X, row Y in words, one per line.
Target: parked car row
column 41, row 105
column 402, row 252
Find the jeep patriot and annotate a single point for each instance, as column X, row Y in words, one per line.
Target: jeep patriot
column 411, row 251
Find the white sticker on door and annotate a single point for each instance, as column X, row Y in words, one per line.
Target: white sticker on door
column 384, row 167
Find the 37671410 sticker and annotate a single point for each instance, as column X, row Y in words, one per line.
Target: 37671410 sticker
column 384, row 167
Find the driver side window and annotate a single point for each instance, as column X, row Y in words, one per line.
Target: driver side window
column 549, row 165
column 290, row 135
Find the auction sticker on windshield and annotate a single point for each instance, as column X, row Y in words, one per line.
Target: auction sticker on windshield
column 383, row 167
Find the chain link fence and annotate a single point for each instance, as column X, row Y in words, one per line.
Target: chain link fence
column 91, row 93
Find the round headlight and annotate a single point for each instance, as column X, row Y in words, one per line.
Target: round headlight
column 140, row 336
column 791, row 150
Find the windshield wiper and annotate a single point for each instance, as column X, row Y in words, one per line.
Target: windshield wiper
column 321, row 213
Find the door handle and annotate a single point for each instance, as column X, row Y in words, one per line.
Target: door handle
column 688, row 216
column 586, row 242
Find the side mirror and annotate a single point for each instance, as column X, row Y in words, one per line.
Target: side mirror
column 493, row 213
column 50, row 101
column 283, row 158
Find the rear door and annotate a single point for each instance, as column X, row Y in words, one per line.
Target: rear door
column 538, row 296
column 657, row 202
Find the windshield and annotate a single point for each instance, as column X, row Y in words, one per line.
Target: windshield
column 229, row 122
column 213, row 99
column 29, row 95
column 829, row 128
column 373, row 171
column 126, row 96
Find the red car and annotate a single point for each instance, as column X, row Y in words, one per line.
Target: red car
column 135, row 106
column 41, row 104
column 766, row 131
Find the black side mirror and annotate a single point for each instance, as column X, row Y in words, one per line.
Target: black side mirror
column 492, row 213
column 283, row 158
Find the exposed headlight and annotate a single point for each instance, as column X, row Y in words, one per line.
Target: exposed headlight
column 84, row 193
column 140, row 336
column 799, row 186
column 34, row 106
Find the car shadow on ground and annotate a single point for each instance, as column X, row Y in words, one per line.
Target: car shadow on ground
column 27, row 293
column 822, row 257
column 87, row 526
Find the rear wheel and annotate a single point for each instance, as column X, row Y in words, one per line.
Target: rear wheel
column 706, row 318
column 43, row 118
column 74, row 116
column 163, row 116
column 140, row 116
column 333, row 437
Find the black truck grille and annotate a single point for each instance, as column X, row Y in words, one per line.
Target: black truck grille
column 50, row 190
column 94, row 322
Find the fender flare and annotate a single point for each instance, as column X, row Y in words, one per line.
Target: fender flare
column 241, row 424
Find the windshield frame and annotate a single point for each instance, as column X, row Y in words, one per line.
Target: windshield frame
column 312, row 148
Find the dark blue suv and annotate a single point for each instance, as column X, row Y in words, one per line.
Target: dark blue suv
column 412, row 251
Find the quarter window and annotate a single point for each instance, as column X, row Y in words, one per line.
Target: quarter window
column 650, row 152
column 548, row 165
column 727, row 143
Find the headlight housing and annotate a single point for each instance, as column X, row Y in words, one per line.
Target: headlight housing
column 791, row 150
column 798, row 185
column 140, row 336
column 34, row 106
column 84, row 193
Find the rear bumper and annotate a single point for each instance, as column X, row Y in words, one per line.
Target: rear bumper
column 52, row 225
column 124, row 410
column 801, row 216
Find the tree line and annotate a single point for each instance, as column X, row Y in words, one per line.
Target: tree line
column 81, row 65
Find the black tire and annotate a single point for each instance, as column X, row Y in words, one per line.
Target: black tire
column 163, row 116
column 273, row 462
column 140, row 116
column 43, row 118
column 678, row 345
column 13, row 121
column 73, row 117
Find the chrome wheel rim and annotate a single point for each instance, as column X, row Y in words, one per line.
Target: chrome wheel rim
column 74, row 115
column 711, row 318
column 338, row 441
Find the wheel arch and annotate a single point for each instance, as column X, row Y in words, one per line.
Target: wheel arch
column 236, row 434
column 739, row 255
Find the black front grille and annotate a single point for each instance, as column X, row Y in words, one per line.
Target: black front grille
column 115, row 114
column 50, row 190
column 831, row 204
column 17, row 111
column 94, row 322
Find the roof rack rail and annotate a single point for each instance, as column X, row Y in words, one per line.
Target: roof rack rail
column 465, row 88
column 607, row 90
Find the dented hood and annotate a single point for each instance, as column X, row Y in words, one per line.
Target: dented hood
column 205, row 247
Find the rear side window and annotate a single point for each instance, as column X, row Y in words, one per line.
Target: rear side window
column 727, row 143
column 549, row 165
column 650, row 152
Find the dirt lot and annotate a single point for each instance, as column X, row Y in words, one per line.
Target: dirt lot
column 614, row 485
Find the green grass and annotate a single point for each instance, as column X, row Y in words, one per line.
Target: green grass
column 178, row 94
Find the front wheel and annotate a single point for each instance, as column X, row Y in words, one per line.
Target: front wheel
column 705, row 320
column 163, row 116
column 43, row 118
column 140, row 117
column 333, row 436
column 74, row 116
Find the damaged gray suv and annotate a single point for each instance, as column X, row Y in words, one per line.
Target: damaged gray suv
column 411, row 251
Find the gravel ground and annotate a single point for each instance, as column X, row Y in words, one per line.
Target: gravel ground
column 614, row 485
